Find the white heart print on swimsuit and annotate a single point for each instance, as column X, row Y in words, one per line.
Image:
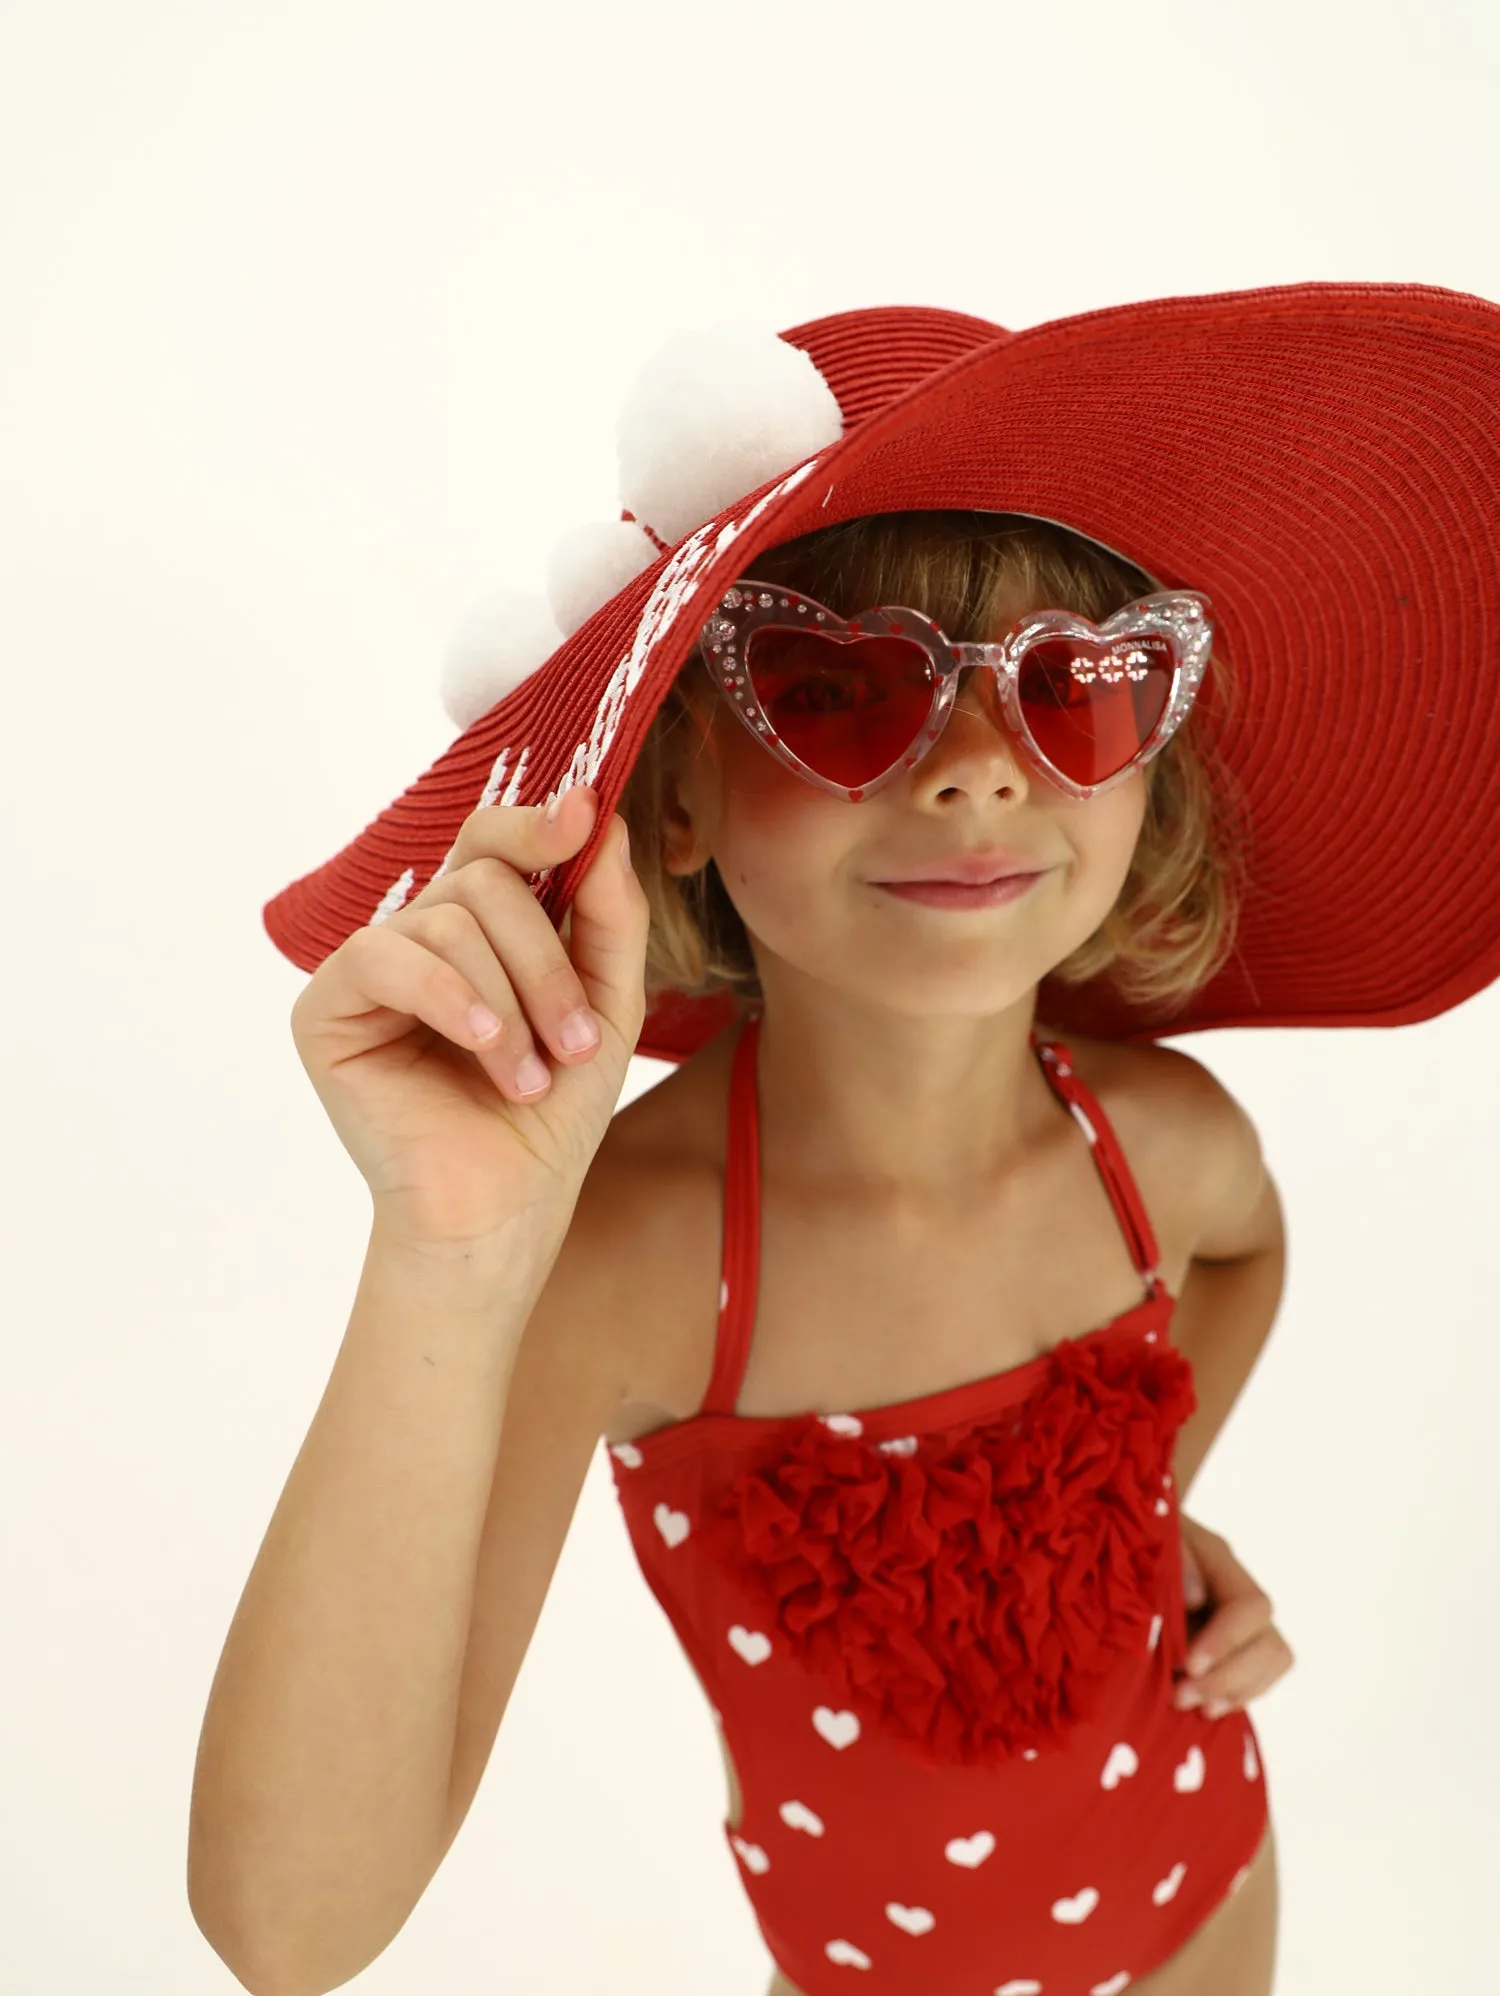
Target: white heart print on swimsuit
column 1166, row 1888
column 910, row 1919
column 1122, row 1761
column 1188, row 1776
column 970, row 1851
column 847, row 1955
column 673, row 1525
column 840, row 1729
column 1073, row 1912
column 797, row 1816
column 752, row 1644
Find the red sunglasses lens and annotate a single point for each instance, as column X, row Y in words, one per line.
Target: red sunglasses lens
column 847, row 707
column 1090, row 728
column 851, row 708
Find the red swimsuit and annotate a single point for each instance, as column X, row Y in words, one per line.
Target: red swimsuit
column 940, row 1637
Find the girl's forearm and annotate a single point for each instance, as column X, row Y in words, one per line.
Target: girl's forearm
column 324, row 1763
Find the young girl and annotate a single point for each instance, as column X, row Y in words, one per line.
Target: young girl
column 875, row 1300
column 905, row 1194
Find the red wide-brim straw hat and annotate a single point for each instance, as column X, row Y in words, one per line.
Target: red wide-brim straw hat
column 1321, row 460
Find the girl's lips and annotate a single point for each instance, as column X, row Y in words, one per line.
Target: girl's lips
column 949, row 894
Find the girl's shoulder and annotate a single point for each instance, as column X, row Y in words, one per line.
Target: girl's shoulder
column 664, row 1141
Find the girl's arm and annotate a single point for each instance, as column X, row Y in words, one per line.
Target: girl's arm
column 1233, row 1288
column 322, row 1797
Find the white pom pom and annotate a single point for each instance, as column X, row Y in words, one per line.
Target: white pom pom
column 712, row 416
column 590, row 564
column 500, row 643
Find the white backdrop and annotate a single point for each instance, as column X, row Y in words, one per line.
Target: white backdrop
column 314, row 319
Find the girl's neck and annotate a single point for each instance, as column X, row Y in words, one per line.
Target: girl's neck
column 896, row 1108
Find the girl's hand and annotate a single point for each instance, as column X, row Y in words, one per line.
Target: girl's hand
column 1229, row 1625
column 452, row 1142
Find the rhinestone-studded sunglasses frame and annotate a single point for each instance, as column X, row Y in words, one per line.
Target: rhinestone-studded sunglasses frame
column 1184, row 617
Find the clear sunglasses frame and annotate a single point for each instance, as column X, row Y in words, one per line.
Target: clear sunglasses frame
column 1183, row 617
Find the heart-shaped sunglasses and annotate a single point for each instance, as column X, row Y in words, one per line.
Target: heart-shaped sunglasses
column 848, row 703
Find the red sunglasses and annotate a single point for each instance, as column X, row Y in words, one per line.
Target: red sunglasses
column 848, row 703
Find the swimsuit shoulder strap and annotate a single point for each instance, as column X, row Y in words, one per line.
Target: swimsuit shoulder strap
column 740, row 1266
column 1119, row 1180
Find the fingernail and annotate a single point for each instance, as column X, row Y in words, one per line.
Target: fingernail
column 531, row 1076
column 624, row 846
column 1188, row 1695
column 1198, row 1663
column 578, row 1032
column 1216, row 1708
column 554, row 805
column 482, row 1022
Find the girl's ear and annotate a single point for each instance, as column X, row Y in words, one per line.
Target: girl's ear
column 685, row 810
column 690, row 785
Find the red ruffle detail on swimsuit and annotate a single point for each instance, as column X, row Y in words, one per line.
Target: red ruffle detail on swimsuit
column 968, row 1598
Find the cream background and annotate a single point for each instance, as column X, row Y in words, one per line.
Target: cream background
column 315, row 318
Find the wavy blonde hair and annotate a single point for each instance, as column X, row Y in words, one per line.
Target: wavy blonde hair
column 1173, row 924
